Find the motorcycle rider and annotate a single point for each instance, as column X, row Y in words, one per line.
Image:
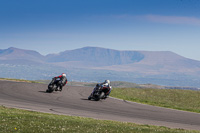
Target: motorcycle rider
column 105, row 86
column 62, row 81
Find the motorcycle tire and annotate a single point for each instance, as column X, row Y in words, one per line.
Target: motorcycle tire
column 50, row 89
column 89, row 98
column 96, row 98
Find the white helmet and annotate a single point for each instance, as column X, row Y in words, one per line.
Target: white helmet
column 107, row 81
column 63, row 74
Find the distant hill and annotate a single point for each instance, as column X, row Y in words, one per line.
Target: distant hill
column 145, row 62
column 94, row 56
column 97, row 64
column 159, row 63
column 19, row 56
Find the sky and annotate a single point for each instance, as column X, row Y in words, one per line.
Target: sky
column 53, row 26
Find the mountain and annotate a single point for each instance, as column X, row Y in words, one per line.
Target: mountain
column 159, row 63
column 93, row 56
column 19, row 56
column 97, row 64
column 147, row 62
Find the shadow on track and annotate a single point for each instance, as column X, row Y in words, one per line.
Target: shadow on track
column 42, row 91
column 84, row 99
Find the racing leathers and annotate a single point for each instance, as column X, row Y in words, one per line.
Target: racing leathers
column 62, row 81
column 105, row 87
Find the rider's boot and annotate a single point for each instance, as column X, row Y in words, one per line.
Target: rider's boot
column 60, row 88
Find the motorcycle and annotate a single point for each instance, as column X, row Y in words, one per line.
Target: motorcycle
column 97, row 94
column 53, row 85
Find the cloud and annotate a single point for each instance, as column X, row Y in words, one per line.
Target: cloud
column 161, row 19
column 173, row 19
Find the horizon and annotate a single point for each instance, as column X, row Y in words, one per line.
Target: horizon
column 136, row 25
column 93, row 47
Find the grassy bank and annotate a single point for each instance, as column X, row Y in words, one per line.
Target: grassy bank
column 19, row 80
column 21, row 121
column 187, row 100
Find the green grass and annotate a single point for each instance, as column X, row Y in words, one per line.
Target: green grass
column 19, row 80
column 187, row 100
column 21, row 121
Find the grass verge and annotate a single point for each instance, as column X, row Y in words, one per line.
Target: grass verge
column 187, row 100
column 22, row 121
column 19, row 80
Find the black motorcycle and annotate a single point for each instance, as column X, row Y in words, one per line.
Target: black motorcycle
column 53, row 85
column 97, row 94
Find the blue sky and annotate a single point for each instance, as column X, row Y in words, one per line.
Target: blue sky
column 52, row 26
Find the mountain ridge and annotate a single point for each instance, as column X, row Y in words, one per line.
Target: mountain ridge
column 102, row 58
column 94, row 63
column 12, row 54
column 99, row 56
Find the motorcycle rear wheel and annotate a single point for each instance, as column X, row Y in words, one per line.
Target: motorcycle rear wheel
column 50, row 89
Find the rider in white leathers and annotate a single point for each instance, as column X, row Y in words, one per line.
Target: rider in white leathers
column 104, row 86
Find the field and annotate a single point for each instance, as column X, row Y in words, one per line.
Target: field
column 187, row 100
column 22, row 121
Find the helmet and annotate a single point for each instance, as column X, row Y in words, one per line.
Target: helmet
column 63, row 74
column 107, row 81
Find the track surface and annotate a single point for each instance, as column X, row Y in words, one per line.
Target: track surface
column 73, row 101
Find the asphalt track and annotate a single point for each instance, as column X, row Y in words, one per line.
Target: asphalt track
column 73, row 101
